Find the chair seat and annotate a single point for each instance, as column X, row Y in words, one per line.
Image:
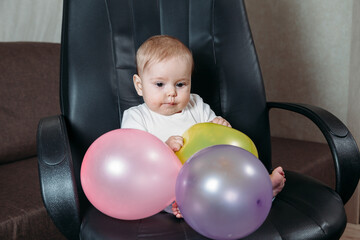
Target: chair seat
column 300, row 211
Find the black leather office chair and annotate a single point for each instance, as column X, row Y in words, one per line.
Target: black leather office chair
column 99, row 41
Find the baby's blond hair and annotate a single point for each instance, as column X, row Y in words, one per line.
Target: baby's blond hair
column 159, row 48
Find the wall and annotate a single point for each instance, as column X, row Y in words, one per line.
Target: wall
column 304, row 49
column 309, row 52
column 35, row 20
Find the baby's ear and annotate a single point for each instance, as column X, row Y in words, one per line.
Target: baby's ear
column 138, row 84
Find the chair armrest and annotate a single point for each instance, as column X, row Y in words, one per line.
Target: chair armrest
column 56, row 172
column 343, row 147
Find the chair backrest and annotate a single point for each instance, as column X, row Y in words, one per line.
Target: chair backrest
column 99, row 42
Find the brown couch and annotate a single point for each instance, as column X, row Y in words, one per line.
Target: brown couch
column 29, row 90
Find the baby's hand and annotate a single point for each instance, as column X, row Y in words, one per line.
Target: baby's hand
column 221, row 121
column 175, row 142
column 176, row 210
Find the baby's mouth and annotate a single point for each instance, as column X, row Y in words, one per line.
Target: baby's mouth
column 170, row 103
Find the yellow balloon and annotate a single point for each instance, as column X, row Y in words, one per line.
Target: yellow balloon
column 204, row 135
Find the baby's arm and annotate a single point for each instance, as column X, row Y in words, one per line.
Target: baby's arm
column 175, row 142
column 221, row 121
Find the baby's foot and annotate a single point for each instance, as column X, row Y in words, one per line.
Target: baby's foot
column 278, row 179
column 176, row 210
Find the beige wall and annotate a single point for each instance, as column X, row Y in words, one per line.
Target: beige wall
column 304, row 49
column 309, row 52
column 30, row 20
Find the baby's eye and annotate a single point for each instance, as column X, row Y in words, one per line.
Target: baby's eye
column 180, row 84
column 159, row 84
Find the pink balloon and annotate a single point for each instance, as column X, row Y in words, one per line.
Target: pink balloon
column 129, row 174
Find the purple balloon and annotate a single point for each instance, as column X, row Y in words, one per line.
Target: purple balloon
column 224, row 192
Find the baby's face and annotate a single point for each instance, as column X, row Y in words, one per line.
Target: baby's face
column 165, row 86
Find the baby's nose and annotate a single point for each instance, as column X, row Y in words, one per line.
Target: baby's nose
column 171, row 92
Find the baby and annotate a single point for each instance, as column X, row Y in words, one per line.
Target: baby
column 164, row 67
